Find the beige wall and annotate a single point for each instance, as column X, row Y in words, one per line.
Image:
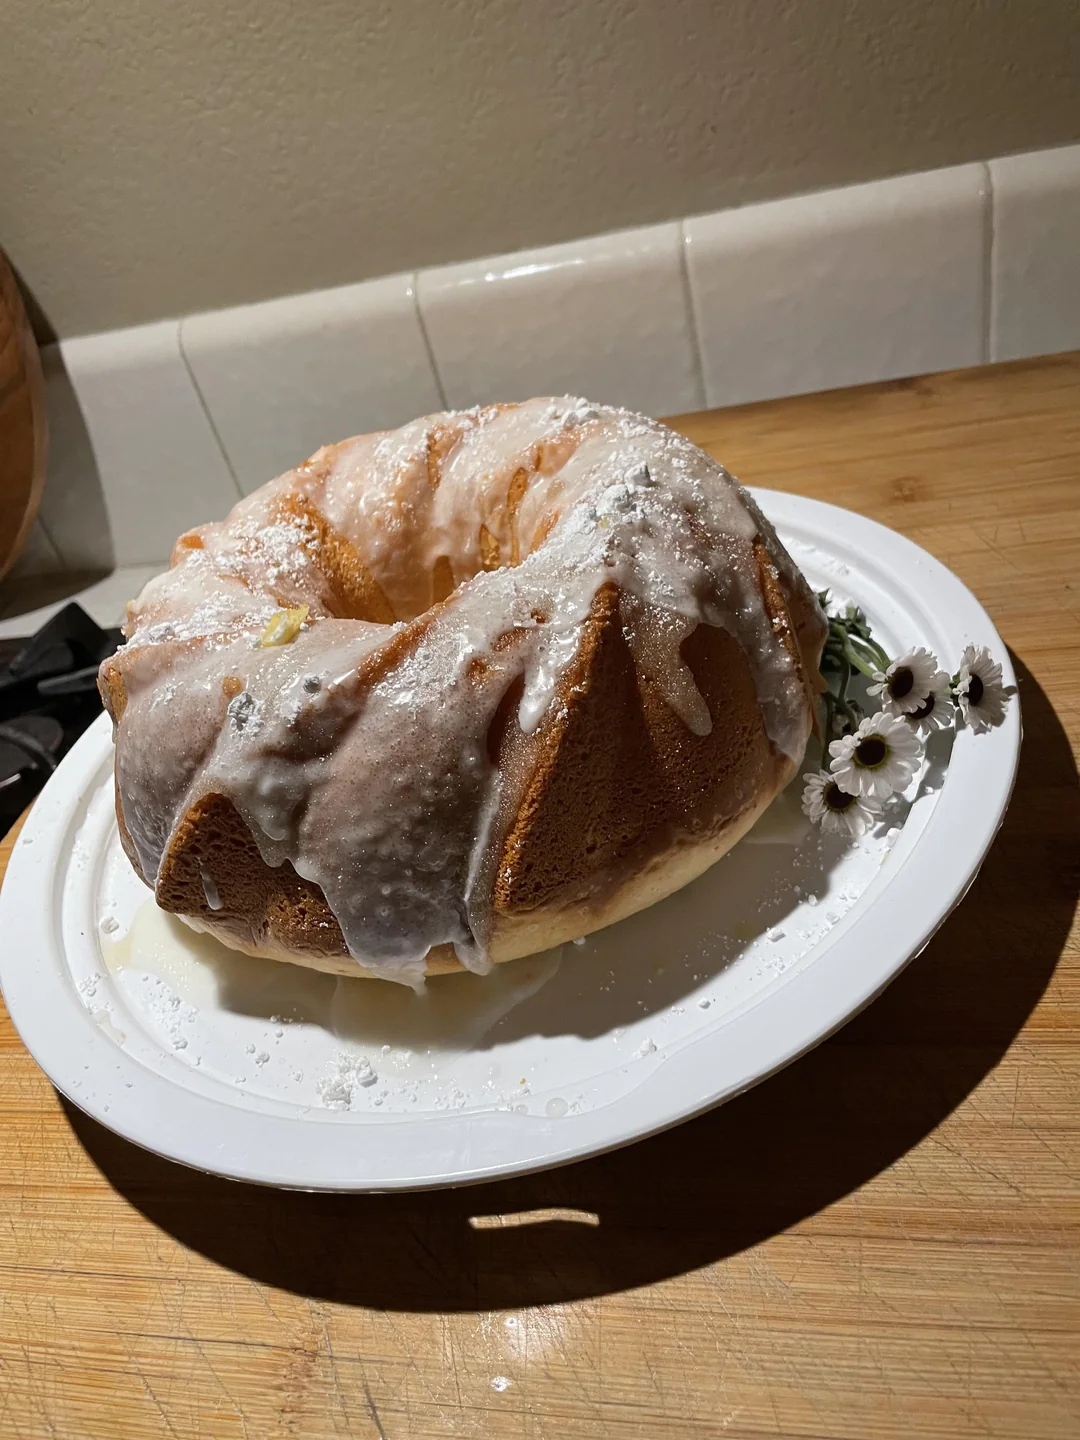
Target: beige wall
column 160, row 158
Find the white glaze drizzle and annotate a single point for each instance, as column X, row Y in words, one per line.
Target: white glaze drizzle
column 375, row 782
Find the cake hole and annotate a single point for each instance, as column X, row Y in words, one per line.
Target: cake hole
column 506, row 641
column 514, row 496
column 506, row 711
column 442, row 579
column 441, row 439
column 489, row 549
column 543, row 530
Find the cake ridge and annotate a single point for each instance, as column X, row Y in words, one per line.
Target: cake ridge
column 358, row 754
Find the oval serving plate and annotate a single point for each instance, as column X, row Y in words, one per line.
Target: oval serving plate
column 273, row 1074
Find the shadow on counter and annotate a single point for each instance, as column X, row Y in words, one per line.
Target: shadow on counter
column 714, row 1186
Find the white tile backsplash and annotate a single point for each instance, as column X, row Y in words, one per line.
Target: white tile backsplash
column 158, row 428
column 1035, row 269
column 281, row 378
column 133, row 460
column 606, row 317
column 866, row 283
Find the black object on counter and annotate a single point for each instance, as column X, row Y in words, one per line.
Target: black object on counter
column 48, row 697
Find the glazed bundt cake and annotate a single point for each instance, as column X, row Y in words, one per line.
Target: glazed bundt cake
column 462, row 691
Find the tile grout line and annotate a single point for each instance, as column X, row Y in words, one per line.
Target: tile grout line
column 691, row 310
column 427, row 340
column 206, row 409
column 989, row 239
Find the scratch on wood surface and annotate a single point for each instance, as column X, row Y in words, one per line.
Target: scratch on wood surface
column 997, row 550
column 237, row 1407
column 979, row 1168
column 339, row 1394
column 260, row 1293
column 226, row 1341
column 405, row 1338
column 169, row 1426
column 7, row 1415
column 372, row 1410
column 449, row 1343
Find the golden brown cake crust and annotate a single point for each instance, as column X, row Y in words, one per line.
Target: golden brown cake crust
column 613, row 800
column 601, row 800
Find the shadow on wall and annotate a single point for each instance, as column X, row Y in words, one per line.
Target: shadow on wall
column 73, row 509
column 43, row 328
column 73, row 512
column 712, row 1187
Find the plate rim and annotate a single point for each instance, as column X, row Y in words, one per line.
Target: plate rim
column 143, row 1106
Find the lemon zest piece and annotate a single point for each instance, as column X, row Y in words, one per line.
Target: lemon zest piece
column 284, row 626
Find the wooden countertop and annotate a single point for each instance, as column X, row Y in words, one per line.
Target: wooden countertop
column 884, row 1240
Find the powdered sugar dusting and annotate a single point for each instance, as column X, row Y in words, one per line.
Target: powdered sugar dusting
column 375, row 782
column 345, row 1073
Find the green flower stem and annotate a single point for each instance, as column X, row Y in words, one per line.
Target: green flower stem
column 852, row 657
column 836, row 701
column 869, row 649
column 849, row 647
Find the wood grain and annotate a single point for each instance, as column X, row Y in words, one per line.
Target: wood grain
column 22, row 422
column 884, row 1240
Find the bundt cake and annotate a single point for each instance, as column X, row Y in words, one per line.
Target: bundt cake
column 458, row 692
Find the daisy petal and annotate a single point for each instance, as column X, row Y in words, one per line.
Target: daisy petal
column 908, row 682
column 836, row 810
column 879, row 758
column 981, row 694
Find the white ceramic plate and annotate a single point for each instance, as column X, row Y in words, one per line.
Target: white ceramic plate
column 273, row 1074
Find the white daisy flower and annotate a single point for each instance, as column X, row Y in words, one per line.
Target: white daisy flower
column 837, row 811
column 937, row 712
column 980, row 693
column 908, row 682
column 879, row 758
